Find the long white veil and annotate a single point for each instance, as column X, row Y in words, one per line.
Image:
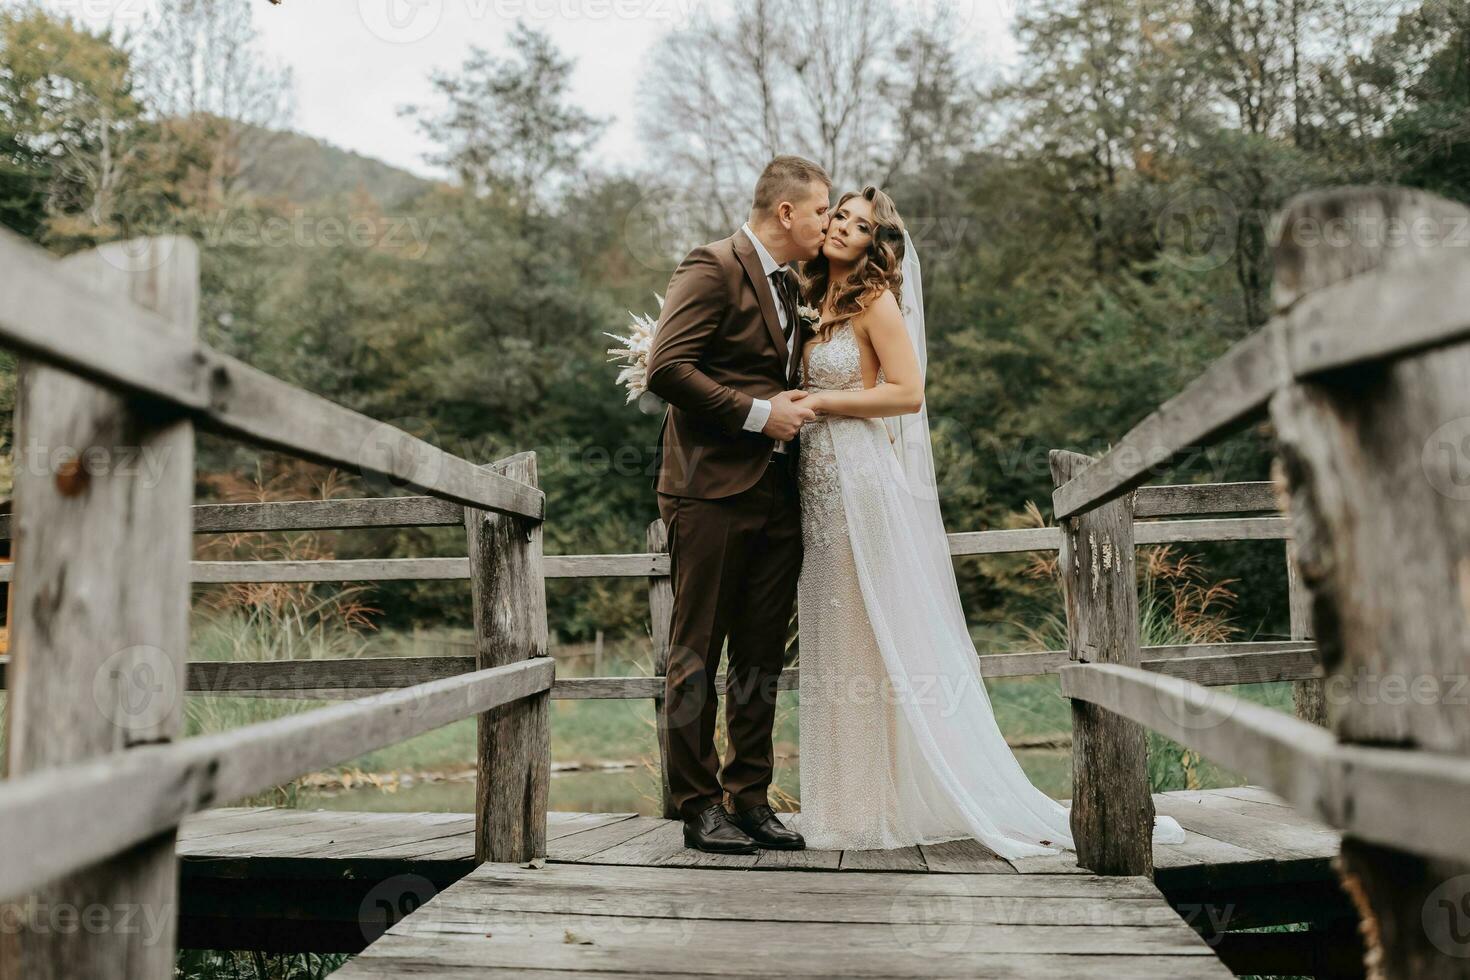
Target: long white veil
column 910, row 433
column 959, row 776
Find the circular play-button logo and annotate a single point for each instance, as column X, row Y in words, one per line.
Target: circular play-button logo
column 401, row 21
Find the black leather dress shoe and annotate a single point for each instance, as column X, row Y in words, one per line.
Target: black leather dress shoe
column 767, row 831
column 712, row 831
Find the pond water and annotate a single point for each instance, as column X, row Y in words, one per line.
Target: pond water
column 617, row 790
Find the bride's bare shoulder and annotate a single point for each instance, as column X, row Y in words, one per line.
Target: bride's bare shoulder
column 882, row 313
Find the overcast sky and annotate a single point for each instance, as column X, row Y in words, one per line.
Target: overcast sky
column 357, row 61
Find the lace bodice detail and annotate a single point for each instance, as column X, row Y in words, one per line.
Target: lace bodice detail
column 835, row 365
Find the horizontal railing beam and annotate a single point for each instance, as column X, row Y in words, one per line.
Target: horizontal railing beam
column 1337, row 327
column 1231, row 391
column 1183, row 499
column 334, row 679
column 53, row 316
column 1402, row 798
column 405, row 569
column 650, row 564
column 61, row 820
column 347, row 513
column 316, row 515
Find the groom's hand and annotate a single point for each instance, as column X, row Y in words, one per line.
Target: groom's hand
column 788, row 415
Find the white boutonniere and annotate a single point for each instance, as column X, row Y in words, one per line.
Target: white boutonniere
column 809, row 317
column 634, row 354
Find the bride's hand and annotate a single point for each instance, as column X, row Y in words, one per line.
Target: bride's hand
column 815, row 402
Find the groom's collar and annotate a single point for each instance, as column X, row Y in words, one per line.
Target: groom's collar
column 768, row 264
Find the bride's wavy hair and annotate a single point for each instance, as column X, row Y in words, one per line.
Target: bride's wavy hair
column 879, row 268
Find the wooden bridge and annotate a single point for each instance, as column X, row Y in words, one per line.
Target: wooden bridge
column 120, row 841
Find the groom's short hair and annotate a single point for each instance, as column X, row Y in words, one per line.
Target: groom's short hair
column 786, row 178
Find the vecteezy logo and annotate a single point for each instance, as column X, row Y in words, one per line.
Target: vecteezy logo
column 932, row 918
column 399, row 453
column 136, row 688
column 392, row 900
column 401, row 21
column 1198, row 231
column 1446, row 459
column 1446, row 917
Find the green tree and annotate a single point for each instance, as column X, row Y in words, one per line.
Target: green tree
column 505, row 125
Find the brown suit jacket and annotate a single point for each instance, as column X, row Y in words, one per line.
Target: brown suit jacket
column 718, row 346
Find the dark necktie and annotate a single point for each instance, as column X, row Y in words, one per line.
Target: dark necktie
column 786, row 291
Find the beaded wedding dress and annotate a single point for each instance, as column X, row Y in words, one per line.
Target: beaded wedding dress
column 899, row 744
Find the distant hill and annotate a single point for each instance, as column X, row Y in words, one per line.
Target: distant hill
column 303, row 169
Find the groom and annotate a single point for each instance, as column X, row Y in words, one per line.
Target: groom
column 725, row 357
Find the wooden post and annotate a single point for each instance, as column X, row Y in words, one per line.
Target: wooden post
column 1308, row 696
column 1112, row 810
column 100, row 634
column 1374, row 459
column 508, row 590
column 661, row 619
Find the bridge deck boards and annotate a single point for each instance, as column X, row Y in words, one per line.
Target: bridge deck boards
column 1235, row 834
column 620, row 888
column 673, row 921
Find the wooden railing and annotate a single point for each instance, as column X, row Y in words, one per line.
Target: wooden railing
column 98, row 776
column 1364, row 373
column 98, row 786
column 1216, row 664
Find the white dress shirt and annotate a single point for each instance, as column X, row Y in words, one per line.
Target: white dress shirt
column 760, row 408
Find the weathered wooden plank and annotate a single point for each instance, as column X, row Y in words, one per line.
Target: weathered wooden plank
column 1424, row 300
column 316, row 515
column 100, row 630
column 1004, row 542
column 457, row 962
column 202, row 831
column 963, row 857
column 1206, row 857
column 1232, row 390
column 1204, row 498
column 806, row 859
column 63, row 317
column 1213, row 529
column 1146, row 533
column 56, row 315
column 301, row 840
column 334, row 678
column 508, row 593
column 663, row 844
column 326, row 515
column 411, row 569
column 1355, row 789
column 1255, row 794
column 808, row 956
column 347, row 678
column 1239, row 668
column 1374, row 462
column 583, row 845
column 1112, row 814
column 63, row 819
column 564, row 823
column 898, row 859
column 664, row 921
column 1282, row 841
column 1309, row 697
column 567, row 889
column 650, row 564
column 1249, row 801
column 868, row 882
column 660, row 627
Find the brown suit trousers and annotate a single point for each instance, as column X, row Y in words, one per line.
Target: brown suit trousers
column 733, row 519
column 734, row 562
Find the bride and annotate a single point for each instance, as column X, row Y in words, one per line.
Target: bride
column 899, row 745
